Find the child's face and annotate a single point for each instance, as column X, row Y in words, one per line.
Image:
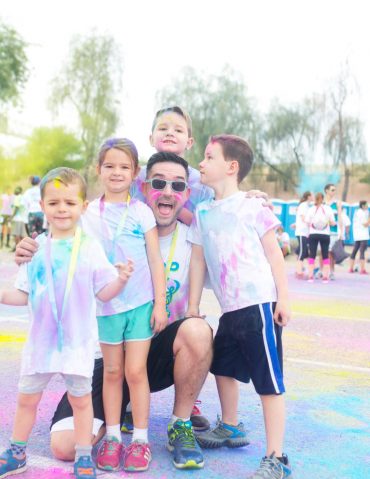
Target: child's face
column 117, row 171
column 63, row 205
column 214, row 167
column 171, row 134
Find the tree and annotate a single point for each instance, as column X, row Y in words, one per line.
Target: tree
column 13, row 64
column 291, row 136
column 344, row 139
column 91, row 82
column 216, row 104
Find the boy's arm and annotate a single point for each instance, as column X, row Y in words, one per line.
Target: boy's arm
column 13, row 297
column 275, row 258
column 197, row 274
column 159, row 318
column 185, row 216
column 113, row 288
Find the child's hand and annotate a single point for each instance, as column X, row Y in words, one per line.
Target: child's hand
column 194, row 313
column 282, row 313
column 260, row 194
column 125, row 270
column 159, row 319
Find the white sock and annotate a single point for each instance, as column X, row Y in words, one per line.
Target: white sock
column 175, row 418
column 140, row 435
column 115, row 431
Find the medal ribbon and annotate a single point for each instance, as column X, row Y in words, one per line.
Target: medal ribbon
column 171, row 253
column 58, row 316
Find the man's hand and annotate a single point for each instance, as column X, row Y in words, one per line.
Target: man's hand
column 260, row 194
column 125, row 270
column 25, row 250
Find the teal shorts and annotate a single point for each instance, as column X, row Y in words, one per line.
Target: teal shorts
column 133, row 325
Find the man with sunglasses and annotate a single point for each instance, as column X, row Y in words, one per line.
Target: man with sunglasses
column 181, row 353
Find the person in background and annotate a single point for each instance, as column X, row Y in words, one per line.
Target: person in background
column 302, row 231
column 336, row 227
column 6, row 214
column 18, row 217
column 361, row 223
column 283, row 240
column 35, row 216
column 319, row 217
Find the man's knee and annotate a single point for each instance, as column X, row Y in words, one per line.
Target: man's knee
column 62, row 445
column 196, row 335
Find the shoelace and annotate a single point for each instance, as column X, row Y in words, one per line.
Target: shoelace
column 135, row 448
column 109, row 447
column 268, row 466
column 186, row 436
column 196, row 410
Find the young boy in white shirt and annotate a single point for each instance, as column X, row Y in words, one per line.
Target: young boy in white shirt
column 235, row 238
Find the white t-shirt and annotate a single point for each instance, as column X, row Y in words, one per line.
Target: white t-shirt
column 6, row 206
column 18, row 202
column 130, row 244
column 345, row 222
column 360, row 232
column 32, row 198
column 198, row 192
column 301, row 227
column 230, row 231
column 318, row 218
column 41, row 353
column 178, row 281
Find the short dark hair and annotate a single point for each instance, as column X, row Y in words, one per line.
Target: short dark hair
column 236, row 148
column 328, row 186
column 362, row 203
column 66, row 176
column 174, row 109
column 34, row 180
column 164, row 156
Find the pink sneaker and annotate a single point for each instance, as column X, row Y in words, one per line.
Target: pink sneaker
column 363, row 271
column 137, row 457
column 310, row 279
column 109, row 455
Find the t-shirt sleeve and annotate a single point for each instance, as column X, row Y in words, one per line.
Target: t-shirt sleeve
column 21, row 280
column 147, row 219
column 265, row 219
column 104, row 272
column 194, row 235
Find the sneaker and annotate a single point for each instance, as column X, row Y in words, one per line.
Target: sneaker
column 199, row 422
column 272, row 468
column 351, row 270
column 224, row 435
column 10, row 465
column 299, row 275
column 363, row 271
column 128, row 424
column 310, row 279
column 325, row 280
column 137, row 457
column 182, row 442
column 84, row 468
column 331, row 277
column 109, row 454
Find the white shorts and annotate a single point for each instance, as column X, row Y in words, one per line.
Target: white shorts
column 333, row 239
column 77, row 386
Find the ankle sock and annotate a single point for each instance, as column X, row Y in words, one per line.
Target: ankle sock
column 115, row 431
column 140, row 435
column 82, row 451
column 18, row 448
column 176, row 418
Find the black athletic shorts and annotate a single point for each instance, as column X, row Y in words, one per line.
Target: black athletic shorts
column 160, row 365
column 248, row 346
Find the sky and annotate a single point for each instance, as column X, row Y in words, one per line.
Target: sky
column 285, row 49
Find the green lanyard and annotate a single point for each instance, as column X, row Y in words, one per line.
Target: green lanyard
column 171, row 253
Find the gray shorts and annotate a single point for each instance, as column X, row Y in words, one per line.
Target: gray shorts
column 333, row 239
column 77, row 386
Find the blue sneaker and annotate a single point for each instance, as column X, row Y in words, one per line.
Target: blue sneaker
column 10, row 465
column 84, row 468
column 182, row 442
column 127, row 425
column 224, row 435
column 272, row 468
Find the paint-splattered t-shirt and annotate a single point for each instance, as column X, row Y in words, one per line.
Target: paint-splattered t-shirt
column 74, row 354
column 129, row 244
column 198, row 192
column 230, row 231
column 178, row 280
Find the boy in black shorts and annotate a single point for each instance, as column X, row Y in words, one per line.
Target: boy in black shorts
column 235, row 238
